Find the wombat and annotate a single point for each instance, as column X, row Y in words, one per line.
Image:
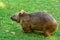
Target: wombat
column 41, row 21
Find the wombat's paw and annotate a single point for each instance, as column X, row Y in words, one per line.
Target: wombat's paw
column 26, row 30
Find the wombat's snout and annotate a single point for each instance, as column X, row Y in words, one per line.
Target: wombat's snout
column 13, row 18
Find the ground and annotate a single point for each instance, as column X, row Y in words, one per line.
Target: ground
column 10, row 30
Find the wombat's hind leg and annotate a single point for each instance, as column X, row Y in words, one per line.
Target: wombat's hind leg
column 47, row 33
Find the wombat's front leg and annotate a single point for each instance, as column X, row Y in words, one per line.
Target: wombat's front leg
column 26, row 29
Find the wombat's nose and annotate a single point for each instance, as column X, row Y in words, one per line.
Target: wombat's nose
column 11, row 18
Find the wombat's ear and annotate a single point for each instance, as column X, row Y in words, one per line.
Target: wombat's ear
column 21, row 12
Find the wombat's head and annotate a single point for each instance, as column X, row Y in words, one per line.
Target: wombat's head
column 16, row 16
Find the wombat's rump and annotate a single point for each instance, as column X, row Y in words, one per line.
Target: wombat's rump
column 36, row 21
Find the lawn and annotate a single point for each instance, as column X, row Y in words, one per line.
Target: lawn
column 10, row 30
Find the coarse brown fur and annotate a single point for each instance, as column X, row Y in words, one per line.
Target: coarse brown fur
column 36, row 21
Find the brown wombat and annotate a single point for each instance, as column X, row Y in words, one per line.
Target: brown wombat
column 36, row 21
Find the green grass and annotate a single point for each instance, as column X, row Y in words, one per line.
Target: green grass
column 9, row 7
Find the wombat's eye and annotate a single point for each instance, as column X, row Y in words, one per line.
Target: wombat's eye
column 14, row 16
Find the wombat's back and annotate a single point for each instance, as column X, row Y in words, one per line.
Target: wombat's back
column 43, row 16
